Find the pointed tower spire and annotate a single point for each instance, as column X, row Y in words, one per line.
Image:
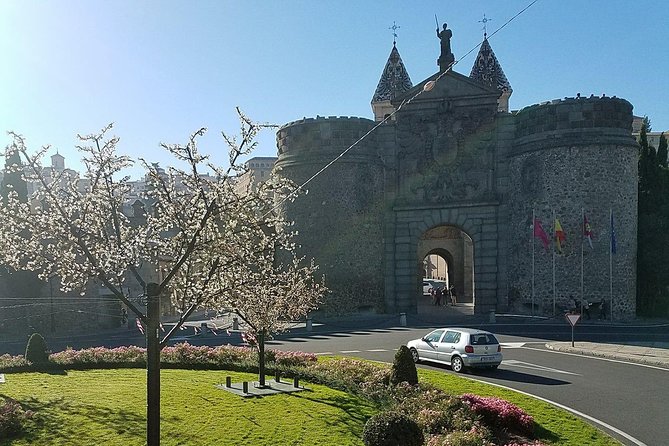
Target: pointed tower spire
column 394, row 81
column 488, row 71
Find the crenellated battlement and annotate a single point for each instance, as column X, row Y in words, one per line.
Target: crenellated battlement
column 323, row 135
column 576, row 113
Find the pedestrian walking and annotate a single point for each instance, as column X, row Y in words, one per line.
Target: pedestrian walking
column 439, row 293
column 602, row 310
column 586, row 309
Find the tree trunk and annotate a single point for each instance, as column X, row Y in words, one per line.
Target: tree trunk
column 152, row 366
column 261, row 358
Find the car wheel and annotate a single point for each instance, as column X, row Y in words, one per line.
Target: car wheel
column 414, row 355
column 456, row 364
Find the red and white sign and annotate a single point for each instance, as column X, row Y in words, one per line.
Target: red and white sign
column 573, row 318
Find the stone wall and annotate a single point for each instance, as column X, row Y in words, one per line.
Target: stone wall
column 339, row 220
column 572, row 157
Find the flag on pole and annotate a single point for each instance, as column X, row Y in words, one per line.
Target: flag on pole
column 560, row 238
column 587, row 230
column 540, row 233
column 613, row 236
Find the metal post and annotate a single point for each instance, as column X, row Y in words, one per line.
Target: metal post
column 296, row 382
column 228, row 381
column 152, row 365
column 309, row 324
column 572, row 335
column 235, row 323
column 403, row 319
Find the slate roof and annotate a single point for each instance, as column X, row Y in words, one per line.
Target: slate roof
column 487, row 69
column 394, row 80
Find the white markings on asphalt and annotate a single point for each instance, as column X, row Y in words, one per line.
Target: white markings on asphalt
column 512, row 344
column 528, row 365
column 574, row 411
column 349, row 351
column 620, row 361
column 376, row 350
column 323, row 353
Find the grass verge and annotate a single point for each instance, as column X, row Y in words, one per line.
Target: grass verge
column 108, row 407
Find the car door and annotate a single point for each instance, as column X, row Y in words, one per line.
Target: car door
column 429, row 344
column 448, row 345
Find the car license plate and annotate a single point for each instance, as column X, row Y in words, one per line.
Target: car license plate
column 487, row 358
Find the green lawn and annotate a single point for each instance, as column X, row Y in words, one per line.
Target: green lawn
column 107, row 407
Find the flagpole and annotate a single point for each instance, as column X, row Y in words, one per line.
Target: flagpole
column 532, row 245
column 611, row 260
column 554, row 235
column 582, row 237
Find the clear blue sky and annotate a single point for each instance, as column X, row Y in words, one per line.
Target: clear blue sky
column 162, row 69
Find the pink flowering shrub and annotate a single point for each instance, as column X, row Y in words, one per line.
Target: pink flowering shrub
column 13, row 418
column 476, row 436
column 290, row 359
column 182, row 354
column 100, row 355
column 435, row 411
column 8, row 361
column 501, row 414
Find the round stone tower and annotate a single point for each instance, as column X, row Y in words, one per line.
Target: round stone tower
column 339, row 219
column 571, row 160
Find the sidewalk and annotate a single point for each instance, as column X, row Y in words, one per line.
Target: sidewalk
column 656, row 353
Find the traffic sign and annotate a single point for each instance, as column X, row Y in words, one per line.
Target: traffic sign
column 573, row 318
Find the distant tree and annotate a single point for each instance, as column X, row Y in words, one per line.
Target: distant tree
column 662, row 151
column 653, row 228
column 200, row 233
column 12, row 179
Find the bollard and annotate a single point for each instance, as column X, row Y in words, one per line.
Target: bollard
column 277, row 377
column 309, row 324
column 203, row 329
column 296, row 382
column 228, row 382
column 403, row 319
column 491, row 317
column 235, row 323
column 245, row 387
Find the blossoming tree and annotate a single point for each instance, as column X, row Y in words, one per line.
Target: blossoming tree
column 200, row 233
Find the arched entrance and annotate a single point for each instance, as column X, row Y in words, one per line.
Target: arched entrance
column 447, row 254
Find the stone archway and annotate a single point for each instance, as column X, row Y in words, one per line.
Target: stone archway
column 457, row 249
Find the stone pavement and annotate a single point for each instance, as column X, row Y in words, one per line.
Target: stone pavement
column 656, row 353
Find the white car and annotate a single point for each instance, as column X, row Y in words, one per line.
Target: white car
column 428, row 284
column 459, row 348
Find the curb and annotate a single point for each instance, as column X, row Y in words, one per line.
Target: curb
column 637, row 359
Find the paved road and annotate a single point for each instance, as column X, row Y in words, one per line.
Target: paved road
column 625, row 399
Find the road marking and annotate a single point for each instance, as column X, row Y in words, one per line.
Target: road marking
column 512, row 344
column 598, row 357
column 349, row 351
column 377, row 350
column 529, row 365
column 574, row 411
column 323, row 353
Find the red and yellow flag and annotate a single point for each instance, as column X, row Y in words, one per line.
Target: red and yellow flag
column 560, row 238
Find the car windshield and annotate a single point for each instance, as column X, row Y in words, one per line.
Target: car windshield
column 483, row 339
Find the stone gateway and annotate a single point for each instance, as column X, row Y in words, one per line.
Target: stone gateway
column 454, row 173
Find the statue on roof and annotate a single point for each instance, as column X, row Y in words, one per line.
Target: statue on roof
column 446, row 58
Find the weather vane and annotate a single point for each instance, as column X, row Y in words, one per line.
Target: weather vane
column 394, row 28
column 485, row 27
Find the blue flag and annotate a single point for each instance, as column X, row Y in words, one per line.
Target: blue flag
column 613, row 236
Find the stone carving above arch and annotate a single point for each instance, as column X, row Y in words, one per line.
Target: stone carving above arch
column 446, row 156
